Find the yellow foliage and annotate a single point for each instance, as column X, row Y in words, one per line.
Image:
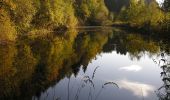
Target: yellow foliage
column 94, row 11
column 24, row 12
column 7, row 30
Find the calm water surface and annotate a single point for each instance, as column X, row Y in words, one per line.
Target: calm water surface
column 83, row 64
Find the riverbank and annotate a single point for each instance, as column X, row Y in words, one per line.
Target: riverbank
column 145, row 29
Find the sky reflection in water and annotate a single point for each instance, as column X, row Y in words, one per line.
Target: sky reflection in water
column 135, row 73
column 55, row 66
column 134, row 68
column 135, row 81
column 138, row 89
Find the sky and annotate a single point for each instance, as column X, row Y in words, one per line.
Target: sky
column 160, row 1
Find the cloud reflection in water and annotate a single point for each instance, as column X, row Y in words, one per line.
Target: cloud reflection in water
column 138, row 89
column 134, row 68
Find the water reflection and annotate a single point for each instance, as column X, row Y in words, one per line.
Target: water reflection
column 134, row 68
column 34, row 63
column 137, row 88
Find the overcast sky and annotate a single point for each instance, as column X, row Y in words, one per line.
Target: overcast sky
column 160, row 1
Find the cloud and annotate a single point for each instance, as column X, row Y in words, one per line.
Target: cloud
column 138, row 89
column 134, row 68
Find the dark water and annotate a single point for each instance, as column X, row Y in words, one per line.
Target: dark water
column 83, row 64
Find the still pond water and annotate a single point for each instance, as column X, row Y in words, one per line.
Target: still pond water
column 84, row 64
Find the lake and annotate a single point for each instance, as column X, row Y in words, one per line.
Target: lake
column 89, row 63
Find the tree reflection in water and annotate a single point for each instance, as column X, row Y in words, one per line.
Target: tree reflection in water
column 34, row 63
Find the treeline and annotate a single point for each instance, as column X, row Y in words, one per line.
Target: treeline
column 21, row 16
column 148, row 16
column 37, row 16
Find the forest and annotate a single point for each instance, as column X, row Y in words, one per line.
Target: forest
column 73, row 49
column 18, row 17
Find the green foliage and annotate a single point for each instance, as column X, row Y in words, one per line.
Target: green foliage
column 134, row 12
column 28, row 14
column 63, row 13
column 141, row 14
column 156, row 16
column 55, row 13
column 93, row 11
column 23, row 16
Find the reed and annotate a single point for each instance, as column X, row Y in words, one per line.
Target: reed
column 88, row 81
